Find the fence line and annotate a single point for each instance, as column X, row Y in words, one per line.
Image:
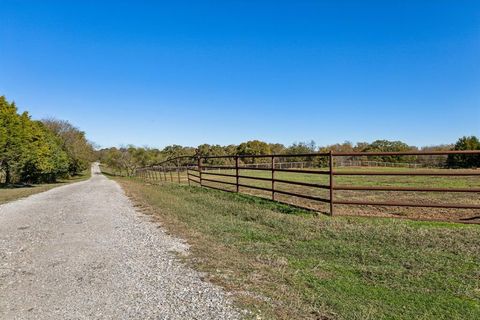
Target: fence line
column 341, row 163
column 198, row 167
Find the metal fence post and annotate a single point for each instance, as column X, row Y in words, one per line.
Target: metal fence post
column 273, row 178
column 178, row 171
column 236, row 175
column 330, row 158
column 200, row 169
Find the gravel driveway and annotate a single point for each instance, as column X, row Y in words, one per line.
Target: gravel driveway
column 81, row 251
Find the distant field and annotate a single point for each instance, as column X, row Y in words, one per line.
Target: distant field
column 285, row 263
column 398, row 181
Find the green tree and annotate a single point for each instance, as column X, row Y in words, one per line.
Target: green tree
column 45, row 160
column 175, row 150
column 277, row 148
column 301, row 148
column 13, row 141
column 207, row 150
column 112, row 158
column 465, row 161
column 74, row 143
column 390, row 146
column 254, row 147
column 29, row 152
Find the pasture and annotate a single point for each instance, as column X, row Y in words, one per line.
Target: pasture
column 215, row 178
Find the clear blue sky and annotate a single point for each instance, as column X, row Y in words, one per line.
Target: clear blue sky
column 190, row 72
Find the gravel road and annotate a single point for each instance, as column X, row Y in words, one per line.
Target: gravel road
column 82, row 251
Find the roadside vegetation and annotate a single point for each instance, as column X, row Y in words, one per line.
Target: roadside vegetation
column 285, row 263
column 126, row 160
column 17, row 191
column 33, row 151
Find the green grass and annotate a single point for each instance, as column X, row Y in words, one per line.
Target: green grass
column 359, row 180
column 284, row 263
column 14, row 192
column 404, row 181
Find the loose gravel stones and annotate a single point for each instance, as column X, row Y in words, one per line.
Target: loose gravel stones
column 81, row 251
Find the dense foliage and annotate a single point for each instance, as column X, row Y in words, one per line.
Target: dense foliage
column 465, row 161
column 126, row 160
column 31, row 152
column 73, row 141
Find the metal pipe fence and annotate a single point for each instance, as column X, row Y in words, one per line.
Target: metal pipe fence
column 204, row 172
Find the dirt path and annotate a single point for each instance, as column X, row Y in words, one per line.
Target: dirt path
column 81, row 251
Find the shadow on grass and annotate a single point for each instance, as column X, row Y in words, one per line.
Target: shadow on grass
column 33, row 185
column 16, row 185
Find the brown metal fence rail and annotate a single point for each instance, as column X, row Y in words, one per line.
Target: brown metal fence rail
column 198, row 170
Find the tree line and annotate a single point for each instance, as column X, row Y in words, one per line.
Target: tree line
column 33, row 151
column 126, row 160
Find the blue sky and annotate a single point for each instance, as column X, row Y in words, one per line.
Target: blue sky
column 222, row 72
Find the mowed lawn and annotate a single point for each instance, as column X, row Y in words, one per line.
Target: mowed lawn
column 284, row 263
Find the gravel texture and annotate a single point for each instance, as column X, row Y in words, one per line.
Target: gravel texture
column 82, row 251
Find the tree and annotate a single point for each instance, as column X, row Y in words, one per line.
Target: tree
column 299, row 148
column 465, row 161
column 112, row 158
column 207, row 150
column 277, row 148
column 346, row 146
column 74, row 143
column 254, row 147
column 390, row 146
column 13, row 140
column 45, row 161
column 29, row 151
column 175, row 150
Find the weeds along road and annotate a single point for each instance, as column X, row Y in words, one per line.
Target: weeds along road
column 81, row 251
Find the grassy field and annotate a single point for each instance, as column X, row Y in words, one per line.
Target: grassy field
column 284, row 263
column 14, row 192
column 359, row 180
